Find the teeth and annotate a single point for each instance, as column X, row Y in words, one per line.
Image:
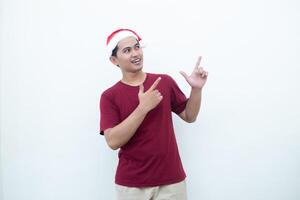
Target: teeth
column 136, row 61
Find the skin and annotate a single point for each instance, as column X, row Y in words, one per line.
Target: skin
column 129, row 59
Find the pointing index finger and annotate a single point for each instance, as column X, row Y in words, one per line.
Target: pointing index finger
column 198, row 62
column 154, row 85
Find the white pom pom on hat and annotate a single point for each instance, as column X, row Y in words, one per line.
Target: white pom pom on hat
column 114, row 38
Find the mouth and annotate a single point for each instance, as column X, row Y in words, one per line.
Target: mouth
column 136, row 61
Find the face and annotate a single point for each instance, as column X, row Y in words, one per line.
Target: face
column 129, row 56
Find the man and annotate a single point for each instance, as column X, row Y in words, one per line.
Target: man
column 136, row 117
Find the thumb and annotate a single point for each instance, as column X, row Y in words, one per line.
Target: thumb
column 184, row 75
column 141, row 90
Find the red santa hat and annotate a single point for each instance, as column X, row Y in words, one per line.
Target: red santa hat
column 114, row 38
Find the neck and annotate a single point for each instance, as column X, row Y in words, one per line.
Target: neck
column 134, row 79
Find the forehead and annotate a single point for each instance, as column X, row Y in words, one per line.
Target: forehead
column 128, row 41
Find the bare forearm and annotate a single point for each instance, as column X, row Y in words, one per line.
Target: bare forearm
column 121, row 134
column 193, row 105
column 196, row 80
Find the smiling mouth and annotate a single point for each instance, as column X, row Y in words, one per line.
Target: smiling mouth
column 136, row 61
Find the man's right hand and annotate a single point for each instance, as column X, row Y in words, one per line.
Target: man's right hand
column 151, row 98
column 120, row 134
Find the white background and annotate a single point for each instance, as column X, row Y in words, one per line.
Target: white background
column 245, row 143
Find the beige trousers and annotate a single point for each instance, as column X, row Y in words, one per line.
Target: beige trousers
column 175, row 191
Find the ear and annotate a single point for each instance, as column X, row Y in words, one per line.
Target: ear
column 114, row 60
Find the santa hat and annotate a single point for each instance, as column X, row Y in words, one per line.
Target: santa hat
column 115, row 37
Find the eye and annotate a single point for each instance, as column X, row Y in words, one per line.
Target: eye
column 127, row 50
column 137, row 46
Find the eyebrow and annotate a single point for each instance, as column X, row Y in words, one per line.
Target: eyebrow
column 130, row 46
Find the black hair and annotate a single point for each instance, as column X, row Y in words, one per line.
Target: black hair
column 114, row 51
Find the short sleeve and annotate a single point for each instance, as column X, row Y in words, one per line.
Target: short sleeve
column 178, row 98
column 109, row 113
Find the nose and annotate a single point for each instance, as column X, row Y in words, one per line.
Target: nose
column 135, row 52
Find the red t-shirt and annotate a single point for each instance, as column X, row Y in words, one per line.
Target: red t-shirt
column 150, row 157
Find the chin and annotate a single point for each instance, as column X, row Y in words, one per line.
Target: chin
column 137, row 67
column 135, row 70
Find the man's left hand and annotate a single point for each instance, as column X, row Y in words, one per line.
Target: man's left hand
column 198, row 77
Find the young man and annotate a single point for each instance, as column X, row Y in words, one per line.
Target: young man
column 136, row 117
